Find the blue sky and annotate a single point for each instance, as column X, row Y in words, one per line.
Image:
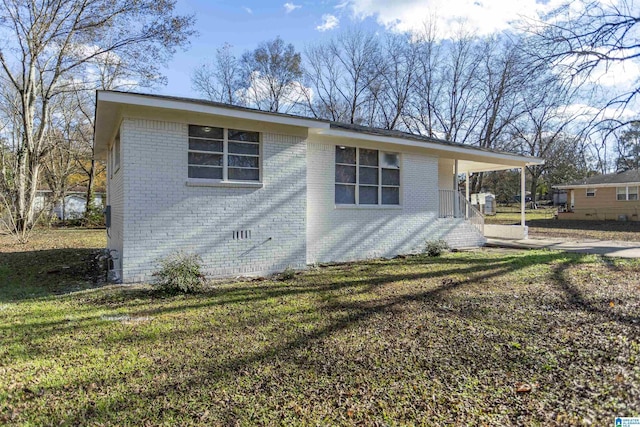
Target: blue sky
column 246, row 23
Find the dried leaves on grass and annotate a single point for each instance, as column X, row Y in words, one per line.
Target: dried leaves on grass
column 480, row 338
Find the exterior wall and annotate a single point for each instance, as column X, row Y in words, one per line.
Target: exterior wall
column 445, row 174
column 604, row 206
column 115, row 199
column 353, row 233
column 164, row 215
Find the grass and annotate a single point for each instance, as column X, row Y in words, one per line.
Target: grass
column 542, row 225
column 409, row 341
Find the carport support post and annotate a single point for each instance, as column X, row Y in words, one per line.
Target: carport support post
column 522, row 187
column 456, row 195
column 466, row 193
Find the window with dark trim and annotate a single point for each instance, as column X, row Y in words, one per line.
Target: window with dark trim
column 366, row 177
column 223, row 154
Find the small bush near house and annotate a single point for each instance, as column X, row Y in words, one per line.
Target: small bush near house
column 436, row 247
column 94, row 217
column 288, row 274
column 180, row 272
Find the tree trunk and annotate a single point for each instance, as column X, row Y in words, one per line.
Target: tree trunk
column 534, row 186
column 90, row 174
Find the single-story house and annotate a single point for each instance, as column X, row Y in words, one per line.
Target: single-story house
column 612, row 196
column 254, row 192
column 73, row 207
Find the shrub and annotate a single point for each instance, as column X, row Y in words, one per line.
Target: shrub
column 94, row 217
column 436, row 247
column 180, row 272
column 288, row 274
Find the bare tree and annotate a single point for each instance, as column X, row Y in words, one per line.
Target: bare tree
column 52, row 42
column 544, row 128
column 220, row 79
column 343, row 74
column 396, row 81
column 502, row 76
column 427, row 86
column 628, row 148
column 271, row 76
column 583, row 39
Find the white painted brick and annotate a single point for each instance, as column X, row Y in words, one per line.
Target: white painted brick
column 292, row 218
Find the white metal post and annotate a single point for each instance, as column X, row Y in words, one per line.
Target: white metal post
column 466, row 193
column 456, row 197
column 522, row 196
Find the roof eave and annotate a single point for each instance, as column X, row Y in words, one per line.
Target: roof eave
column 508, row 161
column 602, row 185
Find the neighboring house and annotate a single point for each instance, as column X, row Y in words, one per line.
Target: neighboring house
column 612, row 196
column 74, row 206
column 254, row 192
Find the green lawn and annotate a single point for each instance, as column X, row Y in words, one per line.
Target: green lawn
column 542, row 224
column 412, row 341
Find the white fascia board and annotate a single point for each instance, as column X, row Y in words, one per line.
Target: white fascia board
column 619, row 184
column 453, row 149
column 195, row 107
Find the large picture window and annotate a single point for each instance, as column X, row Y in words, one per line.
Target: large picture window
column 223, row 154
column 366, row 177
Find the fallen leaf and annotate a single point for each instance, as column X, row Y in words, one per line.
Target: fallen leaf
column 523, row 388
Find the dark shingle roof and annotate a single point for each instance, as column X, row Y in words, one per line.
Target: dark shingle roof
column 626, row 177
column 334, row 125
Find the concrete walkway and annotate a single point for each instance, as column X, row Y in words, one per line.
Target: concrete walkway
column 588, row 246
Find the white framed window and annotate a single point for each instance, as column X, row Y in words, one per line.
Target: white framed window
column 223, row 154
column 366, row 177
column 627, row 193
column 115, row 155
column 591, row 192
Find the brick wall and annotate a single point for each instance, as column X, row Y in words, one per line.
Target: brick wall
column 342, row 234
column 115, row 199
column 164, row 215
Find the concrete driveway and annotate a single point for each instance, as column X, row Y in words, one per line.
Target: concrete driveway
column 612, row 248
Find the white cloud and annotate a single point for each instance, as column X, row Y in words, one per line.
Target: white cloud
column 480, row 16
column 248, row 10
column 290, row 7
column 329, row 22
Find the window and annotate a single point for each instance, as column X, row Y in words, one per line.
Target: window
column 223, row 154
column 366, row 177
column 627, row 193
column 591, row 192
column 115, row 155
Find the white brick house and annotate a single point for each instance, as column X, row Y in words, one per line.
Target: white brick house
column 254, row 192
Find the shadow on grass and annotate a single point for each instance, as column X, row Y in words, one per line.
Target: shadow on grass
column 333, row 288
column 337, row 278
column 37, row 274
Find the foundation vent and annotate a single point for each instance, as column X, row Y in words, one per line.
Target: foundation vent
column 242, row 235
